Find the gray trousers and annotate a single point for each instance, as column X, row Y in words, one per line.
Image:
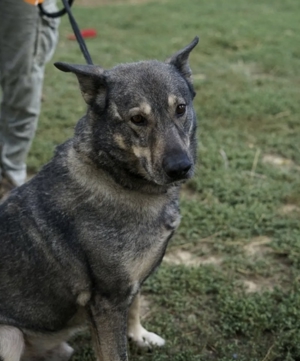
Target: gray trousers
column 27, row 42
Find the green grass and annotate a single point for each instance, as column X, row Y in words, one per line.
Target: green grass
column 240, row 208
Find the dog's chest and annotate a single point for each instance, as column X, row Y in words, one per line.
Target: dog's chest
column 151, row 241
column 125, row 239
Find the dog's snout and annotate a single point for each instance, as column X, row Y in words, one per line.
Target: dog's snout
column 177, row 166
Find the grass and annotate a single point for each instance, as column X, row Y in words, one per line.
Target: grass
column 236, row 296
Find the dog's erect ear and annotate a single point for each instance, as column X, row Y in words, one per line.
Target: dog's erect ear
column 181, row 59
column 91, row 79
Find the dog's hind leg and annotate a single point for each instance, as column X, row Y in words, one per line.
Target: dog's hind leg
column 11, row 343
column 62, row 352
column 136, row 332
column 43, row 348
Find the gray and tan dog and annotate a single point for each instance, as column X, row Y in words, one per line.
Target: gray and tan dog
column 79, row 239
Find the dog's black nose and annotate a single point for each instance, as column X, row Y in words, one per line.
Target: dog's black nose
column 177, row 167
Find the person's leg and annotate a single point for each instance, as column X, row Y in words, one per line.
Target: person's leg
column 27, row 42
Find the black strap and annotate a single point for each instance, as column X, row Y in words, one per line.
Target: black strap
column 57, row 14
column 67, row 9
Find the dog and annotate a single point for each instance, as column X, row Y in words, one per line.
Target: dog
column 78, row 240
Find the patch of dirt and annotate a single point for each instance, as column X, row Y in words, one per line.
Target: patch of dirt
column 258, row 246
column 199, row 77
column 181, row 257
column 289, row 208
column 98, row 3
column 250, row 70
column 245, row 68
column 258, row 285
column 279, row 161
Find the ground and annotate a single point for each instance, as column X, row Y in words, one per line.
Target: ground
column 228, row 288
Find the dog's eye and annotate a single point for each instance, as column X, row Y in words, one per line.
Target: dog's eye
column 138, row 119
column 180, row 109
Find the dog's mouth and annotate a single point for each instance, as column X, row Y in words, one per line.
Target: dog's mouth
column 163, row 179
column 161, row 176
column 181, row 178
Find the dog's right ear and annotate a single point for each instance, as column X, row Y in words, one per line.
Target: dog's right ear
column 91, row 78
column 181, row 59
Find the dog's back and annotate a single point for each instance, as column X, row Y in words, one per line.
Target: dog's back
column 37, row 247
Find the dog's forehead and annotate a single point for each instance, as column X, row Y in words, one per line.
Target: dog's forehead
column 147, row 80
column 152, row 68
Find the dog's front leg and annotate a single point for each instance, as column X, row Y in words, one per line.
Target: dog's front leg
column 108, row 328
column 136, row 332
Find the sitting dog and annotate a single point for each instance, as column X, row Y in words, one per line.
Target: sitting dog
column 80, row 238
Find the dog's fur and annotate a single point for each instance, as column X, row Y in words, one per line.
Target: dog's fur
column 79, row 239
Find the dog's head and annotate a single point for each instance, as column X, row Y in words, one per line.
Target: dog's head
column 142, row 115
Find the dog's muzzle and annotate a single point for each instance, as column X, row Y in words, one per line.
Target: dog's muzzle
column 177, row 165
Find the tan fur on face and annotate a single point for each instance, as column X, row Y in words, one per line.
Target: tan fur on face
column 120, row 141
column 140, row 152
column 144, row 108
column 115, row 111
column 172, row 100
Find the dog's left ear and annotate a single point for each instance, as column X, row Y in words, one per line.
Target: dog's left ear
column 181, row 59
column 91, row 78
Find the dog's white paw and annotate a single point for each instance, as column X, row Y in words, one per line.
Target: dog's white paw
column 144, row 339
